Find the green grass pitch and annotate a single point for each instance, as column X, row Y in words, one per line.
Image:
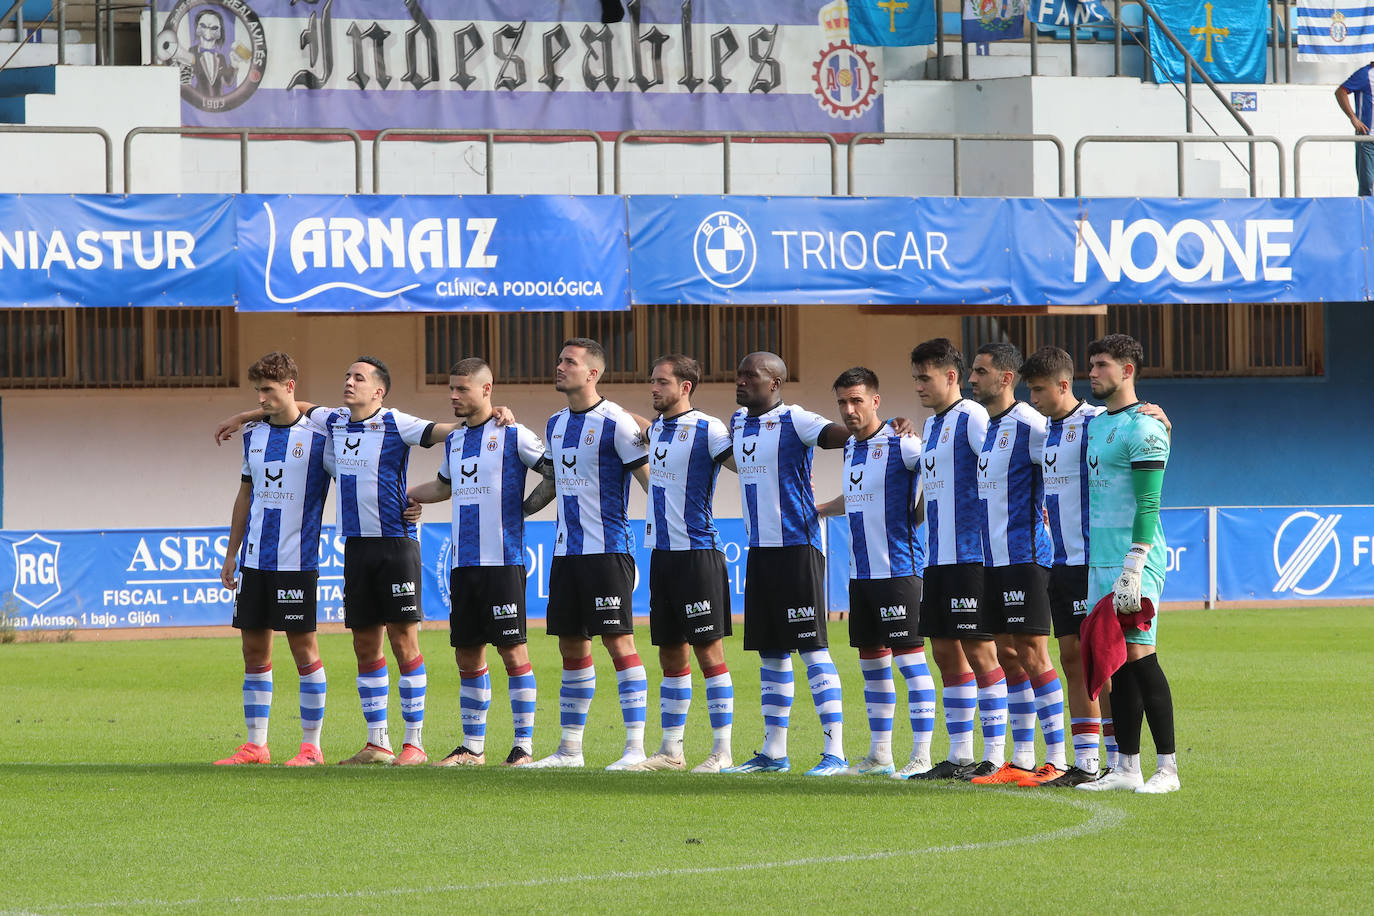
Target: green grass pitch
column 108, row 803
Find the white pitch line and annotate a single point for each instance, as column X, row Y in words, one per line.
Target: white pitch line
column 1103, row 818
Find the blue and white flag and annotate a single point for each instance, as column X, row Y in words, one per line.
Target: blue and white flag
column 894, row 23
column 1226, row 38
column 1063, row 14
column 1335, row 28
column 994, row 20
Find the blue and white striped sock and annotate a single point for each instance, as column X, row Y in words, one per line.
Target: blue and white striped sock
column 413, row 683
column 312, row 702
column 257, row 701
column 574, row 699
column 632, row 683
column 523, row 696
column 374, row 684
column 720, row 705
column 474, row 699
column 1049, row 706
column 674, row 700
column 961, row 698
column 992, row 712
column 880, row 701
column 824, row 681
column 920, row 698
column 1021, row 712
column 776, row 688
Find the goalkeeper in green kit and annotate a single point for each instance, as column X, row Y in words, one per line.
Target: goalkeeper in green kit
column 1127, row 453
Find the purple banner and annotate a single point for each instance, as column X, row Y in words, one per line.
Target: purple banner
column 722, row 65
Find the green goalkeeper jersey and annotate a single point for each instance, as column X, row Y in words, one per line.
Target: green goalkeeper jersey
column 1127, row 452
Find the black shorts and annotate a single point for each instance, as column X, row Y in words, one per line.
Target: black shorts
column 1018, row 598
column 276, row 600
column 486, row 606
column 885, row 612
column 784, row 599
column 1068, row 599
column 952, row 603
column 689, row 597
column 381, row 581
column 591, row 595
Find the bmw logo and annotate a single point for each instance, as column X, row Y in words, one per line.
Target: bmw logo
column 724, row 249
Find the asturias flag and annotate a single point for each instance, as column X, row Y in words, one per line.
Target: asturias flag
column 994, row 20
column 1227, row 37
column 892, row 22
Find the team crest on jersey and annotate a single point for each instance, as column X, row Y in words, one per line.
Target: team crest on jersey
column 297, row 451
column 1071, row 435
column 877, row 452
column 591, row 437
column 374, row 426
column 491, row 444
column 1110, row 436
column 769, row 425
column 1002, row 443
column 944, row 436
column 682, row 436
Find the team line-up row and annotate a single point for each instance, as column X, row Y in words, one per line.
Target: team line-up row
column 1000, row 523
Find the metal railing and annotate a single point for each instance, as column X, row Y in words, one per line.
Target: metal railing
column 727, row 137
column 1319, row 138
column 244, row 134
column 94, row 131
column 956, row 140
column 1181, row 141
column 402, row 133
column 16, row 12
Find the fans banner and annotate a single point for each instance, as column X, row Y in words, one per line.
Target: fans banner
column 102, row 250
column 520, row 64
column 987, row 251
column 1335, row 28
column 1226, row 39
column 436, row 254
column 1287, row 553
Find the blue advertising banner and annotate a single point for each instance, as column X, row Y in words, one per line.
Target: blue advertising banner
column 155, row 577
column 436, row 254
column 1226, row 39
column 102, row 250
column 763, row 250
column 1288, row 553
column 436, row 539
column 986, row 251
column 375, row 64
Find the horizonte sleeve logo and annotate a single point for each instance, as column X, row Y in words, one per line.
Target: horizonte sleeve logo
column 1190, row 250
column 97, row 249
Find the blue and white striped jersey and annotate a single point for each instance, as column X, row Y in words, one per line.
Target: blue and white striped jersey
column 685, row 452
column 882, row 485
column 952, row 441
column 1062, row 453
column 370, row 458
column 773, row 456
column 485, row 467
column 1012, row 490
column 288, row 468
column 593, row 453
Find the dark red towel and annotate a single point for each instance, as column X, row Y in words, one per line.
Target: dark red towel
column 1102, row 640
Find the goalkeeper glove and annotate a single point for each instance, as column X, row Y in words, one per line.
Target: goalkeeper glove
column 1126, row 595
